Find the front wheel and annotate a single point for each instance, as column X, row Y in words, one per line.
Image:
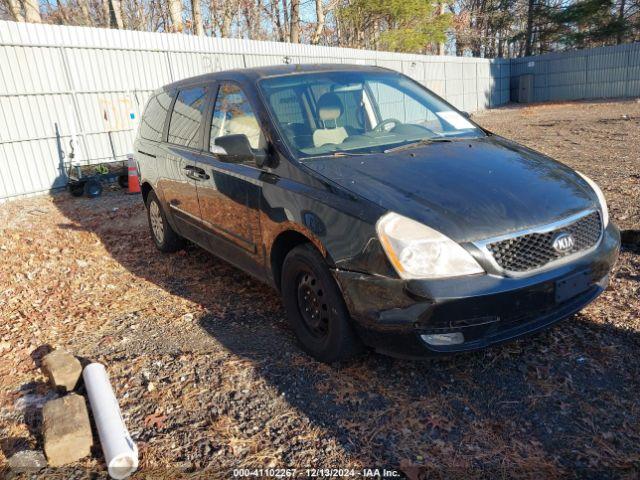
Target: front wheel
column 315, row 307
column 165, row 237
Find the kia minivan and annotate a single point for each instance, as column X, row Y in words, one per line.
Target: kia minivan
column 383, row 215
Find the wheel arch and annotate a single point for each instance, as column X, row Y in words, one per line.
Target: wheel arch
column 145, row 188
column 286, row 241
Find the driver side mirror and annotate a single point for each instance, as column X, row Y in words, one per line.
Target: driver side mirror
column 465, row 114
column 237, row 149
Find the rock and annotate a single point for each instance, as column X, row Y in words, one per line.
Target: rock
column 62, row 369
column 27, row 461
column 66, row 430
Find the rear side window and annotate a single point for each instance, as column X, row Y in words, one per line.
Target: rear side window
column 152, row 122
column 184, row 126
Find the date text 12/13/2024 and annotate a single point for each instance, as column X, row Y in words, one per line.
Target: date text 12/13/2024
column 315, row 473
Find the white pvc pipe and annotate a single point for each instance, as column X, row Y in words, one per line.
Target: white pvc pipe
column 120, row 453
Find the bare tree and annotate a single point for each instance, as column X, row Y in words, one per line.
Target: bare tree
column 441, row 12
column 15, row 10
column 106, row 15
column 198, row 29
column 294, row 30
column 272, row 9
column 84, row 12
column 251, row 12
column 32, row 11
column 322, row 10
column 285, row 17
column 115, row 12
column 175, row 13
column 222, row 14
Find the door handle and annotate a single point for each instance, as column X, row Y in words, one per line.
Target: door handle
column 196, row 173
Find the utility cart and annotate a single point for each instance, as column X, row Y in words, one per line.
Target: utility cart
column 88, row 179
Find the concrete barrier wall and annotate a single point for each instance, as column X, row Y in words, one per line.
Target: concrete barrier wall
column 59, row 83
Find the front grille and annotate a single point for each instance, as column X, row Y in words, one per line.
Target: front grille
column 534, row 250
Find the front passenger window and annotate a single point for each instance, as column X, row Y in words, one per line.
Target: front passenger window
column 233, row 115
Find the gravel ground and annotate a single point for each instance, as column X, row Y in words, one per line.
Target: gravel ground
column 210, row 379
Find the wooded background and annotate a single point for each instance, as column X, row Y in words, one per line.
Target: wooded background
column 480, row 28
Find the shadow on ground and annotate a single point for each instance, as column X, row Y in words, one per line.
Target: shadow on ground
column 562, row 402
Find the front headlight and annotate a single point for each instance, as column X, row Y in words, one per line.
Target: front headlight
column 601, row 199
column 417, row 251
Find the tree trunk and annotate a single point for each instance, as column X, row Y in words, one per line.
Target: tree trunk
column 275, row 18
column 196, row 8
column 441, row 12
column 294, row 31
column 529, row 32
column 287, row 25
column 15, row 10
column 115, row 11
column 320, row 19
column 63, row 13
column 84, row 12
column 619, row 35
column 251, row 17
column 175, row 14
column 227, row 20
column 106, row 15
column 32, row 11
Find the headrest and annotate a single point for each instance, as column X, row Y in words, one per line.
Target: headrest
column 329, row 107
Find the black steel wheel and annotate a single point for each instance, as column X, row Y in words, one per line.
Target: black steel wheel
column 312, row 303
column 92, row 188
column 315, row 308
column 76, row 189
column 123, row 181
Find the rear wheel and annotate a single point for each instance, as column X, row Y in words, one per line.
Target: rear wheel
column 165, row 238
column 315, row 307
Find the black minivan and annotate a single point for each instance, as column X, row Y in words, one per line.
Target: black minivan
column 384, row 216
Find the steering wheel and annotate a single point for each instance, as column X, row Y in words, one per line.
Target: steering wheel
column 380, row 127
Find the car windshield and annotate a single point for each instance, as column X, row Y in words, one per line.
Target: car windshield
column 351, row 113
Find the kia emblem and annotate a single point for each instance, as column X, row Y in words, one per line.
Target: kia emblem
column 563, row 242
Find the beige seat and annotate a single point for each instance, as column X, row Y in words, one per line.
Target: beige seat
column 247, row 125
column 329, row 110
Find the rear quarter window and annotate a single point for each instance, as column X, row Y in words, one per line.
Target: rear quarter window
column 184, row 126
column 152, row 122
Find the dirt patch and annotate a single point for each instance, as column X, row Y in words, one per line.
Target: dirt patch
column 210, row 378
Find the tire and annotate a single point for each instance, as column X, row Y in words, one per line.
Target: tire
column 123, row 181
column 76, row 189
column 325, row 332
column 92, row 188
column 165, row 237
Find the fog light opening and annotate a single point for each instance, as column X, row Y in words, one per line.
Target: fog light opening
column 442, row 339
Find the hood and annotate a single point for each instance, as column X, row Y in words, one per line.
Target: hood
column 466, row 189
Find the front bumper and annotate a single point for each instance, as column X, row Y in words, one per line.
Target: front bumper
column 391, row 314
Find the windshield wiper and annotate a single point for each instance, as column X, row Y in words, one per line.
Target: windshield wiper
column 338, row 153
column 419, row 143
